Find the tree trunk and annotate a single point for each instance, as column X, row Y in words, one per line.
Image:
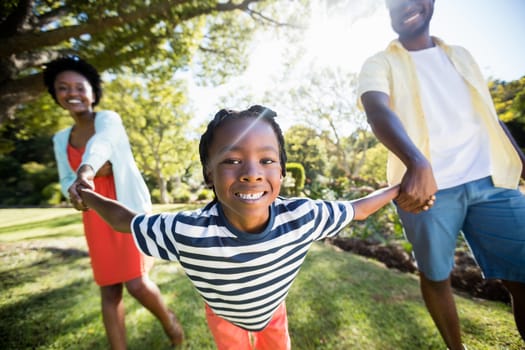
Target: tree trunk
column 163, row 187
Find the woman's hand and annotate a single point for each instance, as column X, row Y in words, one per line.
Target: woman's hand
column 85, row 176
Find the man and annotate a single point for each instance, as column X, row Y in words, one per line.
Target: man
column 429, row 104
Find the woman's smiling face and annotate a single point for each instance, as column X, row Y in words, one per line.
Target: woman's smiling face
column 74, row 92
column 245, row 171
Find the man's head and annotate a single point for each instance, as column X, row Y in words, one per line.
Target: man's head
column 410, row 19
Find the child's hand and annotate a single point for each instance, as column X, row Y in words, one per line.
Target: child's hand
column 430, row 202
column 82, row 190
column 117, row 215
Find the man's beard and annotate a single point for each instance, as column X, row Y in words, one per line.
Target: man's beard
column 411, row 34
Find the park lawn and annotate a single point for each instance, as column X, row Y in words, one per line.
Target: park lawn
column 341, row 301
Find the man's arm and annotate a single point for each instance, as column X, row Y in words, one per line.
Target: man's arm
column 114, row 213
column 418, row 184
column 516, row 147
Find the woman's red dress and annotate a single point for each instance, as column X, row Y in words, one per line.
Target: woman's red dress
column 114, row 256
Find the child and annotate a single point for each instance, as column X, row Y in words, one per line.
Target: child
column 243, row 250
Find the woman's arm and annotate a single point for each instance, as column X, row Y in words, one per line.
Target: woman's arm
column 99, row 148
column 66, row 175
column 108, row 132
column 114, row 213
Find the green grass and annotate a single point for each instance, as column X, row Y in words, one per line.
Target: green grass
column 341, row 301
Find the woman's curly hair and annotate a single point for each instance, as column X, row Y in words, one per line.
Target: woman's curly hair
column 76, row 64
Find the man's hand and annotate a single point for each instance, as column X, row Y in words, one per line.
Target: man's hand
column 418, row 189
column 85, row 176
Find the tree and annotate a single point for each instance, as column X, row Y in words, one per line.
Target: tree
column 326, row 99
column 27, row 164
column 293, row 184
column 112, row 34
column 304, row 146
column 509, row 101
column 374, row 167
column 153, row 112
column 208, row 37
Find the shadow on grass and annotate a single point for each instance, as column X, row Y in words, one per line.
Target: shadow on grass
column 23, row 274
column 49, row 299
column 66, row 253
column 39, row 319
column 333, row 307
column 181, row 296
column 48, row 223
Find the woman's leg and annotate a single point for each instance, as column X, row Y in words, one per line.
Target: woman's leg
column 113, row 315
column 148, row 294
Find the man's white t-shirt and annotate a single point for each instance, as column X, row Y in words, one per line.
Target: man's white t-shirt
column 458, row 140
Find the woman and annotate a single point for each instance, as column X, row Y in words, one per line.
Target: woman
column 95, row 152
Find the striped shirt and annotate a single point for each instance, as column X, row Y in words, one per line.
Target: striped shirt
column 243, row 277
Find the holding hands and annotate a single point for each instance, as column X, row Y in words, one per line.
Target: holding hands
column 418, row 188
column 85, row 176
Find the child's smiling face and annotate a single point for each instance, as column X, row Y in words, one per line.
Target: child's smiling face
column 245, row 171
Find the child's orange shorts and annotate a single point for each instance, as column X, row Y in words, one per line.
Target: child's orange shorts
column 230, row 337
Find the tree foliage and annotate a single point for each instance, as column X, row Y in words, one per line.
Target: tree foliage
column 154, row 40
column 112, row 34
column 509, row 100
column 27, row 164
column 326, row 100
column 295, row 178
column 156, row 118
column 374, row 165
column 305, row 146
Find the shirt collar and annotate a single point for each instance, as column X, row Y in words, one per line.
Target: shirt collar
column 396, row 44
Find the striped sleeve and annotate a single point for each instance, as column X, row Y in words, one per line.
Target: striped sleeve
column 153, row 235
column 332, row 217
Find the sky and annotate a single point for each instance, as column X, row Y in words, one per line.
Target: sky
column 492, row 30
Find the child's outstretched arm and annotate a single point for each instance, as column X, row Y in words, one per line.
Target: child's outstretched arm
column 114, row 213
column 366, row 206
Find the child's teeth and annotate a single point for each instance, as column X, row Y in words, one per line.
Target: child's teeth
column 250, row 195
